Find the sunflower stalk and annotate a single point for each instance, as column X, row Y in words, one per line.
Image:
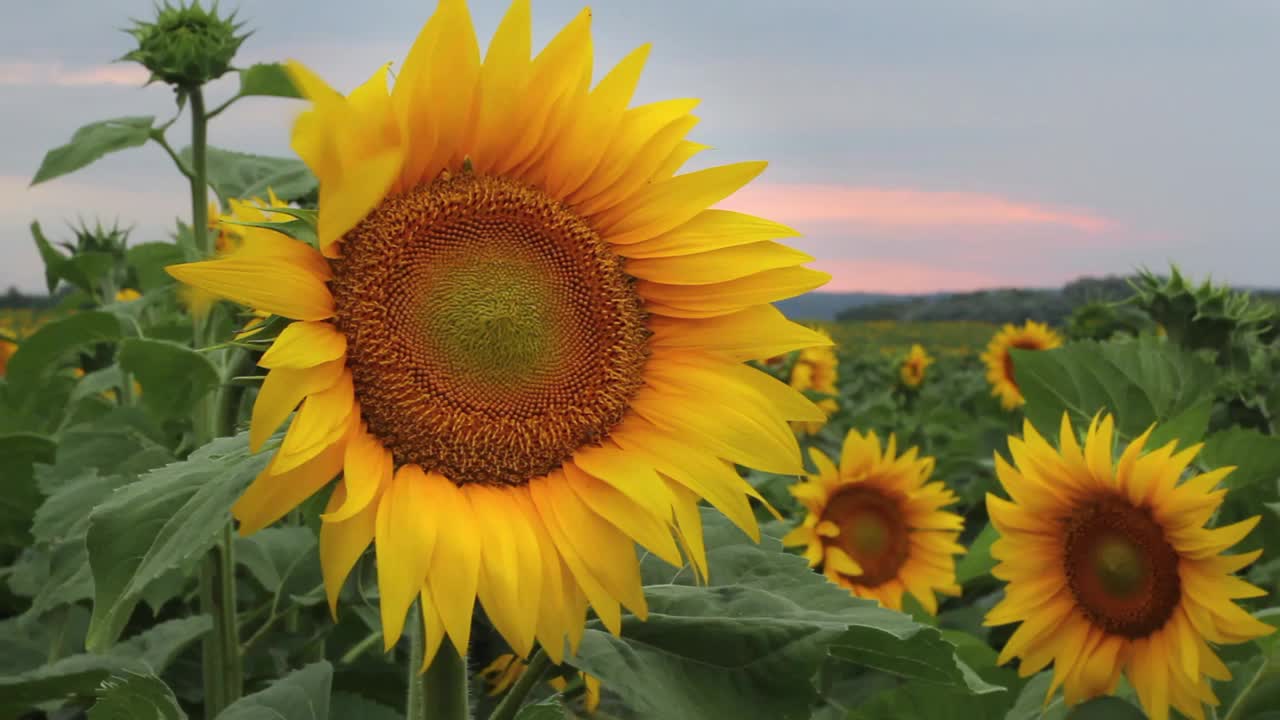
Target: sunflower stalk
column 515, row 697
column 441, row 692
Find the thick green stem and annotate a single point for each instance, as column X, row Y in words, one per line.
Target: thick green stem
column 441, row 692
column 514, row 698
column 199, row 173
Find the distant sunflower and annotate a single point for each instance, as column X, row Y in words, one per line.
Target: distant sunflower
column 506, row 669
column 522, row 338
column 816, row 369
column 124, row 295
column 914, row 366
column 876, row 524
column 7, row 349
column 1111, row 569
column 1031, row 336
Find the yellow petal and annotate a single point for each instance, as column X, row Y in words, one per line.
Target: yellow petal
column 755, row 333
column 405, row 534
column 273, row 494
column 653, row 532
column 282, row 391
column 727, row 297
column 455, row 567
column 323, row 417
column 432, row 628
column 305, row 344
column 717, row 266
column 342, row 544
column 666, row 205
column 689, row 520
column 367, row 468
column 640, row 129
column 706, row 231
column 503, row 79
column 276, row 286
column 499, row 587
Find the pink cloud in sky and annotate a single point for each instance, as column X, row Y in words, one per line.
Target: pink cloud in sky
column 29, row 73
column 887, row 208
column 907, row 277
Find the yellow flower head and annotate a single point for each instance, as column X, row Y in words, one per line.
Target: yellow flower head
column 876, row 524
column 1031, row 336
column 914, row 366
column 1110, row 569
column 7, row 349
column 522, row 338
column 816, row 369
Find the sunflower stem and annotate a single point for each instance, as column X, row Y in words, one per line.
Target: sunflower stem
column 441, row 692
column 514, row 698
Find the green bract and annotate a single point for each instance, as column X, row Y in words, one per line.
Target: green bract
column 186, row 45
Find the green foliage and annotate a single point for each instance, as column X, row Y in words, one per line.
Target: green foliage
column 300, row 695
column 40, row 354
column 165, row 520
column 173, row 377
column 241, row 175
column 270, row 79
column 91, row 142
column 134, row 696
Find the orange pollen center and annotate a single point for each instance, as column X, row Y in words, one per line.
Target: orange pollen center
column 1121, row 570
column 873, row 532
column 490, row 331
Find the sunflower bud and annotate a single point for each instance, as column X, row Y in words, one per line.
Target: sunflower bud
column 1208, row 316
column 186, row 46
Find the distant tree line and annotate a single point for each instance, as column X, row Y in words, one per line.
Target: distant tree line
column 1013, row 305
column 14, row 298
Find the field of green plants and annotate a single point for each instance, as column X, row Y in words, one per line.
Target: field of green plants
column 273, row 466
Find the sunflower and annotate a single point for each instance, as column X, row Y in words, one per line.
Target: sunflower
column 815, row 370
column 914, row 366
column 506, row 669
column 1031, row 336
column 124, row 295
column 521, row 340
column 1110, row 568
column 7, row 349
column 876, row 524
column 230, row 236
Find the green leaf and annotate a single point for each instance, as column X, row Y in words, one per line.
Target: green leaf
column 747, row 645
column 1255, row 456
column 93, row 141
column 54, row 261
column 96, row 383
column 40, row 353
column 300, row 695
column 1140, row 382
column 79, row 675
column 245, row 176
column 173, row 377
column 284, row 561
column 296, row 229
column 135, row 696
column 1106, row 708
column 269, row 79
column 345, row 705
column 548, row 710
column 149, row 260
column 1031, row 705
column 977, row 561
column 18, row 455
column 160, row 522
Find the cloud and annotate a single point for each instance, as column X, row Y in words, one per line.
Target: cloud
column 906, row 277
column 26, row 74
column 882, row 209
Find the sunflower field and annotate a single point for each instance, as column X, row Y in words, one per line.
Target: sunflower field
column 480, row 408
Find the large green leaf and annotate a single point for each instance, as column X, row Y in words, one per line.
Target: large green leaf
column 173, row 377
column 79, row 675
column 546, row 710
column 160, row 522
column 269, row 79
column 135, row 696
column 1255, row 456
column 977, row 561
column 1106, row 708
column 245, row 176
column 344, row 705
column 149, row 260
column 93, row 141
column 40, row 353
column 747, row 645
column 18, row 455
column 300, row 695
column 1141, row 382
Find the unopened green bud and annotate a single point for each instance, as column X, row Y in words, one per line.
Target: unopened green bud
column 186, row 46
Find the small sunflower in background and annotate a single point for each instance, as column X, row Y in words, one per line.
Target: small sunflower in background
column 875, row 524
column 7, row 349
column 816, row 369
column 1110, row 569
column 506, row 669
column 124, row 295
column 914, row 366
column 1030, row 336
column 520, row 338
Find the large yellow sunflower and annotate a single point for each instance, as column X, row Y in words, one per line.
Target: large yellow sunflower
column 816, row 369
column 1111, row 569
column 914, row 366
column 1031, row 336
column 876, row 524
column 522, row 338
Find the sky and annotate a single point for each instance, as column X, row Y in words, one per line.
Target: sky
column 918, row 146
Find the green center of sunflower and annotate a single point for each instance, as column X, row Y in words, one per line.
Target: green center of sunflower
column 490, row 331
column 873, row 531
column 1120, row 568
